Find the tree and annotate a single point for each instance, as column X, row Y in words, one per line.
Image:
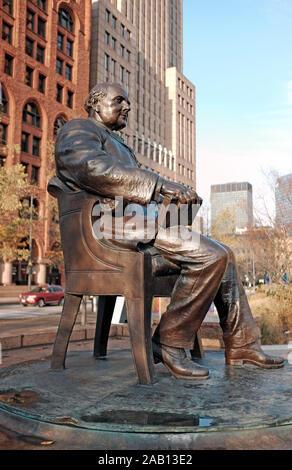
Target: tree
column 54, row 255
column 224, row 230
column 271, row 237
column 14, row 225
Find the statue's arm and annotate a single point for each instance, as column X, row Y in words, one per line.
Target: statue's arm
column 82, row 160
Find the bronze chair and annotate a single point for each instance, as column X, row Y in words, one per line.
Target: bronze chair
column 92, row 268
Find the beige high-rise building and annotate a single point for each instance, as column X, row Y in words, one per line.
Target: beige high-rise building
column 138, row 43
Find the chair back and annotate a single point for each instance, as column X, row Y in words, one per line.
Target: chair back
column 91, row 267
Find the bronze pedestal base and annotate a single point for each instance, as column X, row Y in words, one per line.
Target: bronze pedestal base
column 97, row 404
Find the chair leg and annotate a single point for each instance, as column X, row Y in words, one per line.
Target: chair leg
column 68, row 318
column 105, row 310
column 139, row 321
column 198, row 350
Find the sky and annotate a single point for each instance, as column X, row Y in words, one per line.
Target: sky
column 238, row 54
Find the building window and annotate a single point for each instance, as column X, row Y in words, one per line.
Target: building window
column 114, row 21
column 68, row 72
column 69, row 48
column 107, row 16
column 59, row 93
column 28, row 76
column 127, row 79
column 65, row 20
column 24, row 142
column 36, row 141
column 3, row 133
column 34, row 179
column 40, row 54
column 3, row 101
column 31, row 115
column 24, row 211
column 65, row 43
column 113, row 43
column 42, row 4
column 128, row 35
column 7, row 32
column 59, row 66
column 60, row 41
column 107, row 37
column 122, row 29
column 122, row 50
column 42, row 83
column 41, row 27
column 70, row 99
column 128, row 55
column 8, row 64
column 29, row 43
column 30, row 16
column 25, row 165
column 58, row 124
column 121, row 74
column 113, row 67
column 106, row 62
column 7, row 5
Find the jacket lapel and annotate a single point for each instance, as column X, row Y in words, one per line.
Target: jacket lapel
column 119, row 139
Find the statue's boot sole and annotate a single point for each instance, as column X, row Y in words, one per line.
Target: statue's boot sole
column 241, row 362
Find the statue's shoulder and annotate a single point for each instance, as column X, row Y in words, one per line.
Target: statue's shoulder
column 84, row 125
column 78, row 123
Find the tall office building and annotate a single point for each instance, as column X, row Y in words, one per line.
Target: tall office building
column 44, row 77
column 139, row 44
column 237, row 199
column 283, row 197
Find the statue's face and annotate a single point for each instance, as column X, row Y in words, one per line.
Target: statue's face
column 114, row 108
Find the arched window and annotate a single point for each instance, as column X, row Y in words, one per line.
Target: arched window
column 30, row 115
column 59, row 123
column 65, row 20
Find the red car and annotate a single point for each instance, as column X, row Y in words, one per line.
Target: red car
column 42, row 295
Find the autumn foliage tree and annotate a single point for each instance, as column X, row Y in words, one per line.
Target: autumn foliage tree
column 14, row 226
column 54, row 255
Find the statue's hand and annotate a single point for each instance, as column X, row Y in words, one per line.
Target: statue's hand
column 180, row 193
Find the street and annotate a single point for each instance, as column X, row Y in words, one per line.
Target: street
column 17, row 311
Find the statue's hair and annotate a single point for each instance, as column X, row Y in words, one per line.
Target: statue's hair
column 97, row 93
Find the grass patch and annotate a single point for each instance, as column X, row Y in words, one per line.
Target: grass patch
column 272, row 308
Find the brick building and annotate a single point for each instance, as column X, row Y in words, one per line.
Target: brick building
column 44, row 75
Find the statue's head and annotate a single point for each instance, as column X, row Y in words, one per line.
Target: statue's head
column 110, row 104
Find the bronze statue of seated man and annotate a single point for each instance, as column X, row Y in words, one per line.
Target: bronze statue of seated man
column 90, row 155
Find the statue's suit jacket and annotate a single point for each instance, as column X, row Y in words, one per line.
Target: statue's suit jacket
column 91, row 157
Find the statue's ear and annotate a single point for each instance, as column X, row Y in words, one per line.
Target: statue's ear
column 95, row 106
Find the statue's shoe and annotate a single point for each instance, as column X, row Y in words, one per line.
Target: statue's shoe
column 176, row 361
column 252, row 354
